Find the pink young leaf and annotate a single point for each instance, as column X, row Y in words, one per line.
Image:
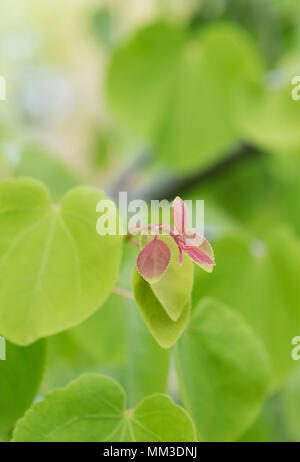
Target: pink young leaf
column 180, row 215
column 192, row 238
column 207, row 248
column 153, row 260
column 198, row 255
column 180, row 255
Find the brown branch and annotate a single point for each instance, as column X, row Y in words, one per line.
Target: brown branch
column 172, row 186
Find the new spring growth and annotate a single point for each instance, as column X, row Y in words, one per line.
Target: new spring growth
column 153, row 260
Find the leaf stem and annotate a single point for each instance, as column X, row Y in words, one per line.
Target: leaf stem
column 122, row 293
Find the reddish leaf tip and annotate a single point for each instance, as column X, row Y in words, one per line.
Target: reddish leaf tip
column 179, row 215
column 199, row 256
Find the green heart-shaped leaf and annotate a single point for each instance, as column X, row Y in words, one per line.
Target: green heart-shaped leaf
column 45, row 167
column 163, row 329
column 260, row 279
column 191, row 75
column 92, row 408
column 173, row 290
column 20, row 375
column 55, row 270
column 272, row 122
column 223, row 372
column 131, row 354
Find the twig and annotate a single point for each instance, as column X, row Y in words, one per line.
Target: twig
column 123, row 181
column 123, row 293
column 168, row 188
column 174, row 185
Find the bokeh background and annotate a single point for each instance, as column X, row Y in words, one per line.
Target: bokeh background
column 163, row 98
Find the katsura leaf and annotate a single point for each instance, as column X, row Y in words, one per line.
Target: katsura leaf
column 207, row 248
column 173, row 290
column 153, row 260
column 199, row 256
column 92, row 409
column 260, row 280
column 131, row 353
column 224, row 372
column 191, row 75
column 162, row 327
column 55, row 270
column 193, row 239
column 180, row 215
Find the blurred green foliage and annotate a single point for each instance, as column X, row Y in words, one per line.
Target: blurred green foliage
column 59, row 417
column 223, row 372
column 189, row 83
column 20, row 377
column 166, row 84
